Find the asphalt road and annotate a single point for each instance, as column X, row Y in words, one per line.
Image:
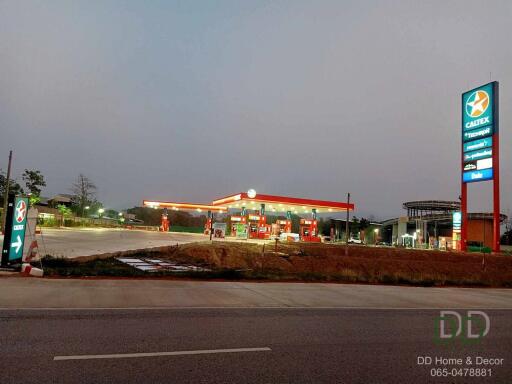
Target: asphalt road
column 294, row 346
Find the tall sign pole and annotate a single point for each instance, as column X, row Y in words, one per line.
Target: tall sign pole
column 480, row 151
column 496, row 175
column 347, row 225
column 6, row 194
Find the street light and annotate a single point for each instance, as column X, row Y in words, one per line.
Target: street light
column 376, row 230
column 86, row 208
column 120, row 213
column 100, row 211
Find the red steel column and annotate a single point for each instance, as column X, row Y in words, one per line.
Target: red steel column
column 496, row 194
column 464, row 211
column 463, row 201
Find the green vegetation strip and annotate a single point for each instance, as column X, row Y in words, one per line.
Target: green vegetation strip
column 178, row 228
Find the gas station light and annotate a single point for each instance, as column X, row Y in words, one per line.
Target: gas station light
column 251, row 193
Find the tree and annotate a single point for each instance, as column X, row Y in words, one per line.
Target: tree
column 14, row 187
column 34, row 181
column 84, row 192
column 112, row 213
column 64, row 211
column 354, row 227
column 364, row 223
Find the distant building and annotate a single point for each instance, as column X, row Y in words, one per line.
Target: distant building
column 60, row 199
column 429, row 224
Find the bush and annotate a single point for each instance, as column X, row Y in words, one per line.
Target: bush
column 179, row 228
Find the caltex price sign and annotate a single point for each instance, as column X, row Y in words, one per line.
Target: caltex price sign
column 478, row 130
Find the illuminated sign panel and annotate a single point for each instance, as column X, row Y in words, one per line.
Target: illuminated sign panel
column 14, row 236
column 478, row 108
column 478, row 164
column 478, row 144
column 478, row 154
column 484, row 163
column 457, row 221
column 470, row 166
column 472, row 176
column 478, row 133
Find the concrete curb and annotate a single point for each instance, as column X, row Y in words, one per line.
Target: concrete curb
column 28, row 270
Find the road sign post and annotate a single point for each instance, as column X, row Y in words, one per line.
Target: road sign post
column 14, row 236
column 480, row 151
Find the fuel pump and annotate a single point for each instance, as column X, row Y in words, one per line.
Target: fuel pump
column 164, row 227
column 236, row 220
column 254, row 224
column 309, row 229
column 208, row 224
column 285, row 226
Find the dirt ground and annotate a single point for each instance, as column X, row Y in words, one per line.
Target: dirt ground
column 323, row 262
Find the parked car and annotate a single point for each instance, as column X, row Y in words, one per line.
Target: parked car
column 292, row 237
column 325, row 239
column 355, row 241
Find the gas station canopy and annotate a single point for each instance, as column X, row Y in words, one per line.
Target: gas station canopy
column 245, row 225
column 182, row 206
column 251, row 200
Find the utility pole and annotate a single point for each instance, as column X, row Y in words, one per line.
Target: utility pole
column 210, row 216
column 6, row 194
column 346, row 224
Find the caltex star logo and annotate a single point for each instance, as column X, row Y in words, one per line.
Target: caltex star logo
column 477, row 103
column 21, row 211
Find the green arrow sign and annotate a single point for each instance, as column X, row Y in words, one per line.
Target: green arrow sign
column 19, row 223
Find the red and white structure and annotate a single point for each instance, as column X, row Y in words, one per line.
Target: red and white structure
column 250, row 208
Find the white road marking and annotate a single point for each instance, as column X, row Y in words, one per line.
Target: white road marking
column 153, row 354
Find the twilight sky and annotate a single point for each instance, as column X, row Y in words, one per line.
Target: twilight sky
column 193, row 100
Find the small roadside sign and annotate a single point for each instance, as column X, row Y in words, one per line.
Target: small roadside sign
column 12, row 252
